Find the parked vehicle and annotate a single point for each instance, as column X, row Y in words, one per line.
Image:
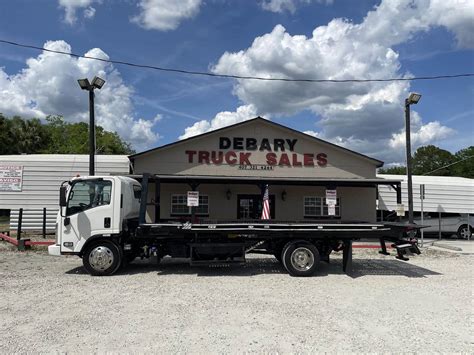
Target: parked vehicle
column 102, row 220
column 451, row 223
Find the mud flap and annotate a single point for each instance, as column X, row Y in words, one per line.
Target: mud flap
column 347, row 257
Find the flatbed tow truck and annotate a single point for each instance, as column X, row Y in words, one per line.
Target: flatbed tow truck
column 103, row 221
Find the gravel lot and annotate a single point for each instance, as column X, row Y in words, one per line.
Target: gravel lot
column 48, row 304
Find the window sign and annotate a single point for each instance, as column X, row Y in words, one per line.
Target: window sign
column 331, row 198
column 193, row 198
column 331, row 210
column 11, row 177
column 400, row 209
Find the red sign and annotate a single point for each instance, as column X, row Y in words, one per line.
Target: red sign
column 275, row 157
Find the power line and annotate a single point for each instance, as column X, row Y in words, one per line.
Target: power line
column 456, row 162
column 190, row 72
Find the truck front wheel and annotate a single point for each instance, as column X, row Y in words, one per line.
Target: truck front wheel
column 300, row 258
column 102, row 258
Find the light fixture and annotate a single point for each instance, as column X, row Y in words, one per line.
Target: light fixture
column 228, row 194
column 283, row 195
column 84, row 84
column 414, row 98
column 98, row 82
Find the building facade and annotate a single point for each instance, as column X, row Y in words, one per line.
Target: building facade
column 231, row 168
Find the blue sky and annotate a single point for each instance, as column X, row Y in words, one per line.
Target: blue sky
column 274, row 38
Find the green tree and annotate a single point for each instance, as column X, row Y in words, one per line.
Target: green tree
column 429, row 158
column 29, row 135
column 465, row 165
column 7, row 145
column 395, row 170
column 56, row 136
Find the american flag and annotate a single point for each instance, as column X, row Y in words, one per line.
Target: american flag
column 266, row 204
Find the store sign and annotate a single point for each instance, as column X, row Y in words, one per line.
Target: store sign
column 240, row 151
column 11, row 177
column 193, row 198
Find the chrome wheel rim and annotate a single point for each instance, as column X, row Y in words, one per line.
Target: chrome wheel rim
column 101, row 258
column 465, row 233
column 302, row 259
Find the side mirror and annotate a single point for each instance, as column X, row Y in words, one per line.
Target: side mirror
column 62, row 196
column 67, row 221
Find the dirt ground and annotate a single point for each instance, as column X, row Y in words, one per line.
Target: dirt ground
column 48, row 304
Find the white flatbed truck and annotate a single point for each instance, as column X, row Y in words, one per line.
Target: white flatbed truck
column 102, row 220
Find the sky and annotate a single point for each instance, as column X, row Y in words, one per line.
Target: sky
column 294, row 39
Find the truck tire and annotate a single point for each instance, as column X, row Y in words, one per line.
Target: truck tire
column 300, row 258
column 464, row 232
column 102, row 258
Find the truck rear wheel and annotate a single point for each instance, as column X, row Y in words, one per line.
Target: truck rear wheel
column 300, row 258
column 102, row 258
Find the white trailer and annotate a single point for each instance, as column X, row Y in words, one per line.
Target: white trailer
column 39, row 176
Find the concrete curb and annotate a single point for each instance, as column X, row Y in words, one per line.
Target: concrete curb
column 446, row 246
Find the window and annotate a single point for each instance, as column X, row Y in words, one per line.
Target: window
column 179, row 205
column 137, row 191
column 316, row 207
column 88, row 194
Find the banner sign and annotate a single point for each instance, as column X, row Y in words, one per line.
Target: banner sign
column 193, row 198
column 11, row 177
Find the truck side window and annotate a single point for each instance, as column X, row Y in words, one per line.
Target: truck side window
column 137, row 191
column 88, row 194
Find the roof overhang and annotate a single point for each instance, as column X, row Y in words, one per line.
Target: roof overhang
column 204, row 179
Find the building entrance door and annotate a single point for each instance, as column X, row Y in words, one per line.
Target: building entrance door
column 250, row 206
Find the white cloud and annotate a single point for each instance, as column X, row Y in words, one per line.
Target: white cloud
column 421, row 134
column 222, row 119
column 312, row 133
column 287, row 5
column 72, row 6
column 357, row 115
column 89, row 12
column 165, row 15
column 48, row 85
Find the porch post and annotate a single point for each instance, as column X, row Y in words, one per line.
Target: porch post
column 157, row 199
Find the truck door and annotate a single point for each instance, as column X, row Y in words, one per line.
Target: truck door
column 89, row 212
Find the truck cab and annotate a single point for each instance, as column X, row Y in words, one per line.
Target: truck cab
column 94, row 207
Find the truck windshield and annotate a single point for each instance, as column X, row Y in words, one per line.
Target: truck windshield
column 88, row 194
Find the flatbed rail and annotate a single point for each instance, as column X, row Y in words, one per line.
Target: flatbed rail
column 272, row 227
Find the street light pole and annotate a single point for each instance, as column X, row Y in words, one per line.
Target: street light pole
column 97, row 83
column 408, row 151
column 412, row 99
column 91, row 134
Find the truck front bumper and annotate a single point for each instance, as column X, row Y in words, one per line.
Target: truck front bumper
column 54, row 250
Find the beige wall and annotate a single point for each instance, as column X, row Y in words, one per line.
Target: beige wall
column 174, row 160
column 357, row 204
